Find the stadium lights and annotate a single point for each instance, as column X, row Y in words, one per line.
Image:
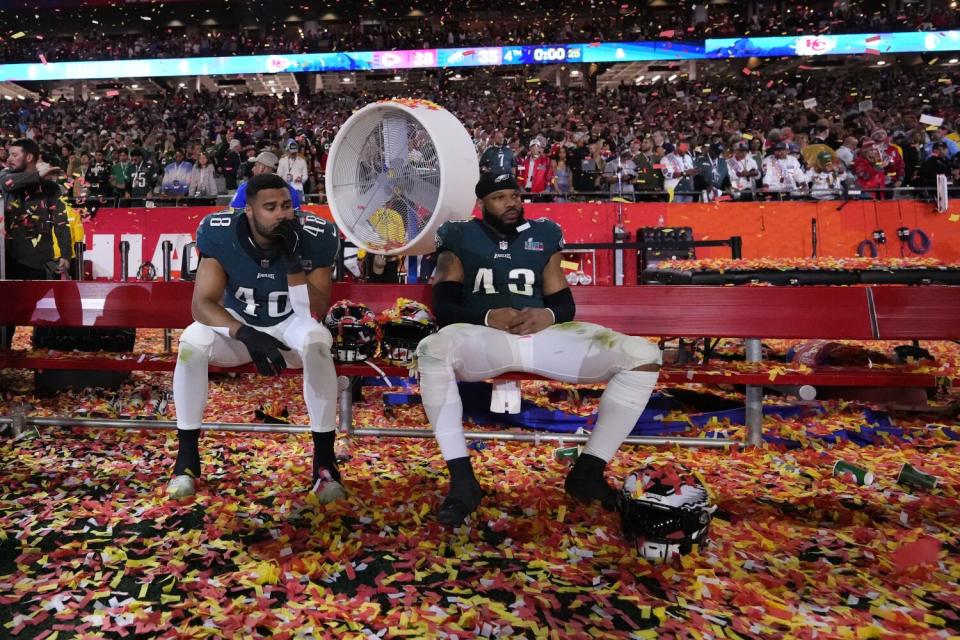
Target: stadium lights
column 954, row 60
column 345, row 80
column 881, row 63
column 574, row 73
column 182, row 85
column 672, row 78
column 655, row 78
column 397, row 79
column 134, row 86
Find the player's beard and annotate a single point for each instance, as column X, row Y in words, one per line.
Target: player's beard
column 265, row 232
column 500, row 227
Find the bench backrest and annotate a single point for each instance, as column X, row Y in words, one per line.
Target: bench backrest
column 859, row 313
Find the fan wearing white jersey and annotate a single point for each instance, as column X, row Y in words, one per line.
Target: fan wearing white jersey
column 503, row 302
column 263, row 273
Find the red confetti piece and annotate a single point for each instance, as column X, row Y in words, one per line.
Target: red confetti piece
column 921, row 551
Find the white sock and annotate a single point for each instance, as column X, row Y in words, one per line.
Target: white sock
column 190, row 380
column 621, row 405
column 441, row 401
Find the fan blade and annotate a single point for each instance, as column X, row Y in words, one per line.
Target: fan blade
column 422, row 193
column 396, row 144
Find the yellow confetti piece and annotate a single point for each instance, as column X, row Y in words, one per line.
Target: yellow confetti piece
column 566, row 264
column 954, row 217
column 18, row 35
column 143, row 590
column 561, row 513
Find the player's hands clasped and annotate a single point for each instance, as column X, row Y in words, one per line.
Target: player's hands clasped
column 264, row 350
column 287, row 235
column 523, row 322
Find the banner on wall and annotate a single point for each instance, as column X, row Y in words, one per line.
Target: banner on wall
column 767, row 229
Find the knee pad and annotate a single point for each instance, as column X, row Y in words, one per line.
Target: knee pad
column 197, row 338
column 641, row 351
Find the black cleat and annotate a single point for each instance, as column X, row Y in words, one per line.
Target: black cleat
column 585, row 483
column 459, row 504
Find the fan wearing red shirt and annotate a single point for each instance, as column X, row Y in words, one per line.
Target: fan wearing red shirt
column 536, row 171
column 870, row 168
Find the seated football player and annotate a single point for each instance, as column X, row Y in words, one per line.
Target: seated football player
column 503, row 302
column 264, row 274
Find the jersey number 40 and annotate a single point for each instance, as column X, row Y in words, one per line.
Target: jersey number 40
column 521, row 282
column 277, row 302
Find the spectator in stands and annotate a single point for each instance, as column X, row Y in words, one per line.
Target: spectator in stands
column 535, row 172
column 33, row 216
column 870, row 169
column 819, row 145
column 713, row 175
column 120, row 174
column 619, row 175
column 912, row 147
column 848, row 152
column 98, row 176
column 498, row 157
column 202, row 183
column 265, row 162
column 782, row 174
column 143, row 177
column 562, row 177
column 892, row 158
column 825, row 177
column 231, row 165
column 938, row 164
column 678, row 172
column 176, row 177
column 936, row 135
column 648, row 176
column 293, row 168
column 743, row 172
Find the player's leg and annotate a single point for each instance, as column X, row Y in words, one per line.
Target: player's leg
column 589, row 353
column 310, row 342
column 199, row 347
column 459, row 352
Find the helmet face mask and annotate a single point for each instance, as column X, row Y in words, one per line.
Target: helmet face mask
column 402, row 327
column 356, row 335
column 665, row 510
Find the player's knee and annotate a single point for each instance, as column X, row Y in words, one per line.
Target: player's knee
column 643, row 354
column 196, row 341
column 435, row 347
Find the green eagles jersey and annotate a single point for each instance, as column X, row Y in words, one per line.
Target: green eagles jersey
column 497, row 271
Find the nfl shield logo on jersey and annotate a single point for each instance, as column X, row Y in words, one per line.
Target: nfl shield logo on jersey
column 503, row 245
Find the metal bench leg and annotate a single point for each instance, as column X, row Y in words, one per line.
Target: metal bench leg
column 754, row 408
column 19, row 422
column 345, row 400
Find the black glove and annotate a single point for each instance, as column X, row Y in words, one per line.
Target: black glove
column 264, row 350
column 287, row 235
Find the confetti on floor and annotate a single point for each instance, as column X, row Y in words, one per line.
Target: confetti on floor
column 90, row 547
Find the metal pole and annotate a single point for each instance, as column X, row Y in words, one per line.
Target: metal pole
column 171, row 425
column 167, row 248
column 345, row 400
column 78, row 249
column 124, row 260
column 754, row 408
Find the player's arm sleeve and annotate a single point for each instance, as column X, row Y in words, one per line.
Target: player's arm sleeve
column 448, row 304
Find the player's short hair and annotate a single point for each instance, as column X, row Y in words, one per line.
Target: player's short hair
column 258, row 183
column 28, row 146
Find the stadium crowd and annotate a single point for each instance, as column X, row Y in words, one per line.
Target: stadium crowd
column 795, row 136
column 527, row 23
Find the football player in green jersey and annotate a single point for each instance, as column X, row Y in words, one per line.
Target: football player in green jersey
column 264, row 271
column 503, row 302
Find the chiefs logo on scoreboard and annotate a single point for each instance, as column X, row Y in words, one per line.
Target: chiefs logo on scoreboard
column 815, row 45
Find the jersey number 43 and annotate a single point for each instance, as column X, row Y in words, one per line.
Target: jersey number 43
column 520, row 281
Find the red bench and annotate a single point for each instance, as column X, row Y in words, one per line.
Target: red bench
column 752, row 313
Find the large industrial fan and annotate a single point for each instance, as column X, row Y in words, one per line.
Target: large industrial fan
column 397, row 170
